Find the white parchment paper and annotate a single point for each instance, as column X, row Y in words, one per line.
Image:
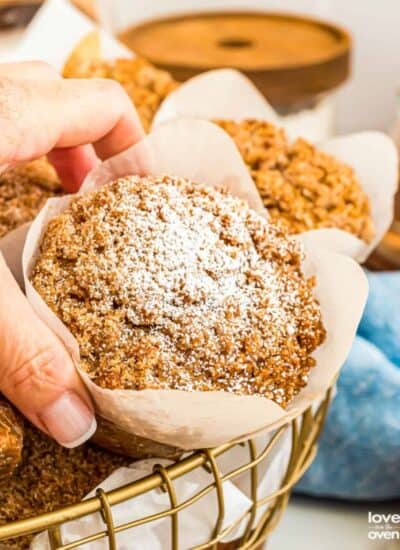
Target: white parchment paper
column 205, row 419
column 196, row 522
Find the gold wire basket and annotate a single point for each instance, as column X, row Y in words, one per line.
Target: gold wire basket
column 305, row 431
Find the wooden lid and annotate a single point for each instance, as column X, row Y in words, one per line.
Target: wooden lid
column 17, row 13
column 289, row 58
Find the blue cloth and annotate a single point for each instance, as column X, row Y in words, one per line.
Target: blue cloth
column 381, row 320
column 359, row 451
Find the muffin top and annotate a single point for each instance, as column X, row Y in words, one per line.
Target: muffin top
column 167, row 284
column 302, row 187
column 23, row 191
column 145, row 84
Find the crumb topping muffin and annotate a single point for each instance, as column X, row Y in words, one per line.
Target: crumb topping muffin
column 23, row 191
column 146, row 85
column 302, row 187
column 51, row 477
column 11, row 440
column 169, row 284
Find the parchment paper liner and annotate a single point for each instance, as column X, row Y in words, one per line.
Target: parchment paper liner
column 196, row 522
column 204, row 419
column 228, row 94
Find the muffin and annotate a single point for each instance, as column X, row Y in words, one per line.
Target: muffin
column 302, row 188
column 50, row 477
column 167, row 284
column 146, row 85
column 23, row 191
column 11, row 440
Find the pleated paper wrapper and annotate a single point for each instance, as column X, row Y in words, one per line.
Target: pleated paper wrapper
column 196, row 523
column 202, row 152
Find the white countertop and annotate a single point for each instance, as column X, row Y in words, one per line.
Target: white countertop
column 311, row 524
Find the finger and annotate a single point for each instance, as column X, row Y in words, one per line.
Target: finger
column 29, row 70
column 73, row 164
column 110, row 132
column 37, row 373
column 36, row 117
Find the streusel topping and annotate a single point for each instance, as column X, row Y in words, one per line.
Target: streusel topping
column 169, row 284
column 302, row 187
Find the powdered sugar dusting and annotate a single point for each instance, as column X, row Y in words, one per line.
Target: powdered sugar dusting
column 169, row 284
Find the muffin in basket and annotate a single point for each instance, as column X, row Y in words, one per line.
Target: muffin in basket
column 302, row 187
column 167, row 284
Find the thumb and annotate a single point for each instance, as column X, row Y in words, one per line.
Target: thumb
column 37, row 373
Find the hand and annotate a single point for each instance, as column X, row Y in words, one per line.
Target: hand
column 40, row 113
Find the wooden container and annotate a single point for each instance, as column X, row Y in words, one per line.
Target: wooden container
column 291, row 59
column 18, row 13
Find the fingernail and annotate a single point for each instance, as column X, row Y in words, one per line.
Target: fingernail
column 69, row 420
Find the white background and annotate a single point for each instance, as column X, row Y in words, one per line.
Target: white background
column 369, row 99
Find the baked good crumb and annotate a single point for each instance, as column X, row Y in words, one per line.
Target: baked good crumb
column 302, row 188
column 51, row 477
column 11, row 439
column 23, row 191
column 169, row 284
column 146, row 85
